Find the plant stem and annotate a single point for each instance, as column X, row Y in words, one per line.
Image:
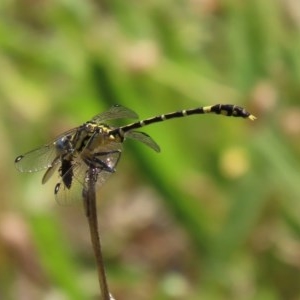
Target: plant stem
column 89, row 196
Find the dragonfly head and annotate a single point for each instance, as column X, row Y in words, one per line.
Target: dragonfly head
column 63, row 144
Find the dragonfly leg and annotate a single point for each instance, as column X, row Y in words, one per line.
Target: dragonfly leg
column 97, row 162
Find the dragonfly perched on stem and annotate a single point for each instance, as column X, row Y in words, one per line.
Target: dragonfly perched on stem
column 86, row 156
column 98, row 145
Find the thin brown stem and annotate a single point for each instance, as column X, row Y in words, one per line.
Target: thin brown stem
column 91, row 213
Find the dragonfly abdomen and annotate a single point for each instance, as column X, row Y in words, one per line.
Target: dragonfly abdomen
column 223, row 109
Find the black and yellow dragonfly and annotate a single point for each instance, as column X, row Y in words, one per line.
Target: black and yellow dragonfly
column 97, row 146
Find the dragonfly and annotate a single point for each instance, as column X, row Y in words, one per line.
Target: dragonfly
column 92, row 150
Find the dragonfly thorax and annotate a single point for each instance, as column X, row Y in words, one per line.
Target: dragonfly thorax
column 97, row 135
column 86, row 134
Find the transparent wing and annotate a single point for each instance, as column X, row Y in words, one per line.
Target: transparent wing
column 37, row 159
column 41, row 158
column 69, row 194
column 46, row 156
column 143, row 138
column 103, row 163
column 115, row 112
column 98, row 146
column 51, row 170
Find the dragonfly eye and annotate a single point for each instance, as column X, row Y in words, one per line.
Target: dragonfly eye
column 63, row 144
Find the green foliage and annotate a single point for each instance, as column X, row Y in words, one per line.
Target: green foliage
column 215, row 214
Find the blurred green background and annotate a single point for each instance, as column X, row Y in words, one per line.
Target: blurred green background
column 215, row 215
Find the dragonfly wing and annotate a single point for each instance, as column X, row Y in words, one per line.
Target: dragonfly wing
column 50, row 171
column 105, row 165
column 103, row 159
column 143, row 138
column 69, row 189
column 37, row 159
column 45, row 156
column 74, row 181
column 68, row 195
column 115, row 112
